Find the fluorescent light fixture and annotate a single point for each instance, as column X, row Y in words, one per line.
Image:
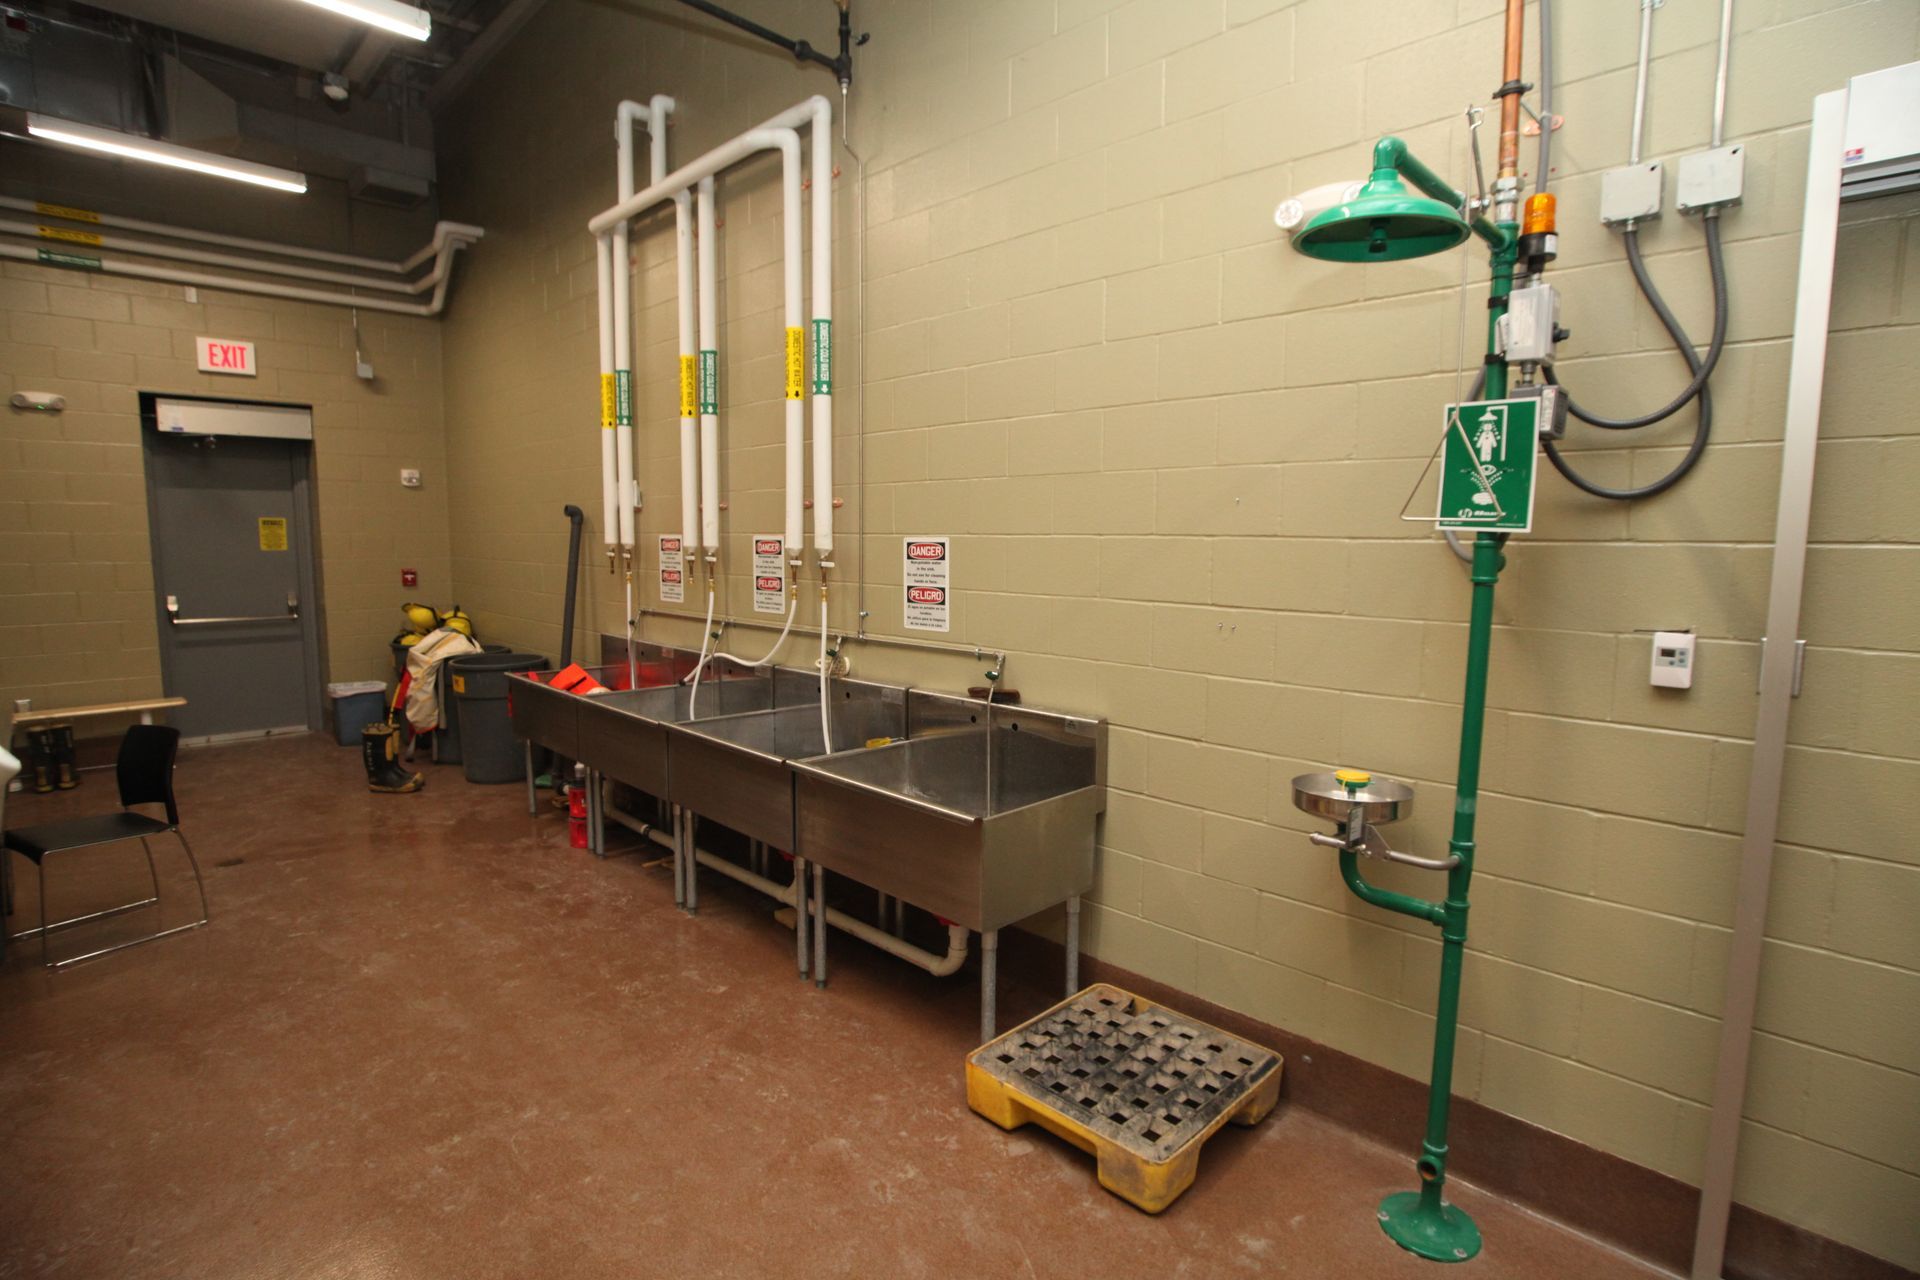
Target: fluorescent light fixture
column 388, row 15
column 133, row 147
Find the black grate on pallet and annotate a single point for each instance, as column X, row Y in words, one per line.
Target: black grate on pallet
column 1139, row 1075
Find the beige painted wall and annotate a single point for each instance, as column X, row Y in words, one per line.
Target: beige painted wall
column 1172, row 453
column 76, row 584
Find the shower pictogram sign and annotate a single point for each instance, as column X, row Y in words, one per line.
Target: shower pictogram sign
column 1489, row 461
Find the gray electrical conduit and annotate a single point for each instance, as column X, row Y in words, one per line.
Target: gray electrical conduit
column 939, row 965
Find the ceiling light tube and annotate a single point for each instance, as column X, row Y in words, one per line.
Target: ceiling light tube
column 388, row 15
column 133, row 147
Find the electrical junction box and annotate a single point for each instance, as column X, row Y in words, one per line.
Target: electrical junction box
column 1881, row 147
column 1632, row 194
column 1713, row 179
column 1552, row 415
column 1672, row 660
column 1526, row 331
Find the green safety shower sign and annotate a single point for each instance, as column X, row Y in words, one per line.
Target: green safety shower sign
column 1489, row 461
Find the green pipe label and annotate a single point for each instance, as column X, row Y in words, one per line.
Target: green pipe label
column 709, row 382
column 623, row 397
column 823, row 357
column 78, row 261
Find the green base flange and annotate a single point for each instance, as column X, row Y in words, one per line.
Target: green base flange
column 1441, row 1232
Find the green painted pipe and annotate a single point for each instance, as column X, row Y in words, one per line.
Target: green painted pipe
column 1392, row 155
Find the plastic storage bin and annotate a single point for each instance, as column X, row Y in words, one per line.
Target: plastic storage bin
column 356, row 704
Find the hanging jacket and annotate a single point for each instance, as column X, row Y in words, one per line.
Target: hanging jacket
column 424, row 662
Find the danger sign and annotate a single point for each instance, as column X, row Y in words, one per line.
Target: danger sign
column 928, row 565
column 673, row 578
column 769, row 575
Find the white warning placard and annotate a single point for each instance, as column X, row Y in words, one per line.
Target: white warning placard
column 927, row 574
column 673, row 571
column 769, row 574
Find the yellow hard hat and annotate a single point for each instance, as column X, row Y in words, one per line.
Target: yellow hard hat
column 420, row 617
column 461, row 623
column 410, row 639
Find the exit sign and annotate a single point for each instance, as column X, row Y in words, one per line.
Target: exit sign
column 221, row 355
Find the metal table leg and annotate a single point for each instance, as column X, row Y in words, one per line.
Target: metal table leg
column 596, row 828
column 533, row 794
column 820, row 925
column 800, row 913
column 679, row 819
column 692, row 863
column 1073, row 944
column 989, row 983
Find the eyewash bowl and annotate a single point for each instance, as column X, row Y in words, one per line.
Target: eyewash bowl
column 983, row 823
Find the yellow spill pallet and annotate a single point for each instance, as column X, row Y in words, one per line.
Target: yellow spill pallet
column 1138, row 1085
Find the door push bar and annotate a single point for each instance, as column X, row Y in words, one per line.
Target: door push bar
column 173, row 614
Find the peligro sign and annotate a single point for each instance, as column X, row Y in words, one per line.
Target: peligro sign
column 225, row 355
column 928, row 563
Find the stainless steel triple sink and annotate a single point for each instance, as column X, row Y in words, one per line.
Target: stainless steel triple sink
column 981, row 814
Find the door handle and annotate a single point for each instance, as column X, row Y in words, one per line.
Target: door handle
column 292, row 614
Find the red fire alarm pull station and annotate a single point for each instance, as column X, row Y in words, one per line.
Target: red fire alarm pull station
column 409, row 578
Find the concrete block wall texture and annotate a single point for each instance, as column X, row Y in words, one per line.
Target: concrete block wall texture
column 77, row 614
column 1171, row 453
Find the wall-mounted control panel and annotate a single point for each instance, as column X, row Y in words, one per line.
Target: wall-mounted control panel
column 1673, row 659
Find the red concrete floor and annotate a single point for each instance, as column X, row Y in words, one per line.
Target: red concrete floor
column 423, row 1038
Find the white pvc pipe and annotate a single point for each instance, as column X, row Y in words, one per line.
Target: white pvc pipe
column 233, row 284
column 180, row 253
column 727, row 153
column 609, row 474
column 826, row 684
column 444, row 233
column 709, row 379
column 796, row 348
column 628, row 112
column 822, row 371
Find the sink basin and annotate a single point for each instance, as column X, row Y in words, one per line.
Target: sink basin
column 549, row 717
column 984, row 823
column 734, row 769
column 624, row 734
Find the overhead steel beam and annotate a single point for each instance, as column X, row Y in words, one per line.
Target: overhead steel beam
column 454, row 80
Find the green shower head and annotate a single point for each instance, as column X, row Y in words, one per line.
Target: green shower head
column 1385, row 222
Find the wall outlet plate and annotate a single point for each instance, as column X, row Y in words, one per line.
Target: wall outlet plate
column 1633, row 193
column 1713, row 179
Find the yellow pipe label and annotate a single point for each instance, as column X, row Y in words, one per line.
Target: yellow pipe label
column 607, row 400
column 71, row 237
column 689, row 387
column 68, row 212
column 796, row 362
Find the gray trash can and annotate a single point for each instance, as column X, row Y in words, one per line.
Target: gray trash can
column 489, row 751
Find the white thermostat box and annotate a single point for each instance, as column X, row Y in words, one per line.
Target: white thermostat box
column 1673, row 659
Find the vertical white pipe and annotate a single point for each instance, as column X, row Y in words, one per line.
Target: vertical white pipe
column 628, row 113
column 609, row 505
column 821, row 374
column 796, row 339
column 689, row 379
column 709, row 379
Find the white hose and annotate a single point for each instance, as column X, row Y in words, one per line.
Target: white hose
column 826, row 721
column 706, row 638
column 763, row 662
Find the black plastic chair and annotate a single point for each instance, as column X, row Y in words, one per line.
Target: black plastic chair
column 145, row 772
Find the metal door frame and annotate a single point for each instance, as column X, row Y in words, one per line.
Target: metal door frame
column 306, row 524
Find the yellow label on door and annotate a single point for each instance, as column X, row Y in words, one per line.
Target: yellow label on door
column 459, row 683
column 66, row 211
column 71, row 237
column 689, row 388
column 796, row 362
column 608, row 399
column 273, row 533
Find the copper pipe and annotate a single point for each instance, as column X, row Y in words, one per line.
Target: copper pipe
column 1510, row 103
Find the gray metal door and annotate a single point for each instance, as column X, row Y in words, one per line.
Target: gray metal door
column 234, row 582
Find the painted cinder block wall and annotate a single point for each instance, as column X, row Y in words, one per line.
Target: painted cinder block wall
column 77, row 620
column 1172, row 454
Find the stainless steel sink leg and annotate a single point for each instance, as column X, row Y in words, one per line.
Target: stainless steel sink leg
column 533, row 795
column 692, row 863
column 800, row 913
column 679, row 856
column 989, row 983
column 596, row 828
column 1073, row 944
column 820, row 926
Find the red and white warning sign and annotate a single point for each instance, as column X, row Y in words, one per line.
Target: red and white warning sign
column 769, row 574
column 673, row 571
column 927, row 573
